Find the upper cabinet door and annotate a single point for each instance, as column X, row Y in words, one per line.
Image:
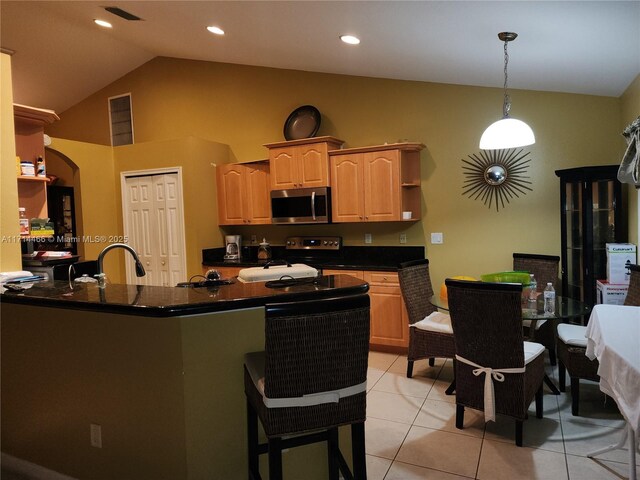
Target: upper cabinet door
column 284, row 168
column 243, row 194
column 230, row 194
column 347, row 192
column 382, row 186
column 257, row 194
column 302, row 163
column 313, row 165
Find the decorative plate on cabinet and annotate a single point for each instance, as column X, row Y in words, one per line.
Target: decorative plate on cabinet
column 303, row 122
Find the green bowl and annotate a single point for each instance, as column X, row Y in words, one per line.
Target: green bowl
column 507, row 277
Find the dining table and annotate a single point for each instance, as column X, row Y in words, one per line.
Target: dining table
column 566, row 309
column 613, row 338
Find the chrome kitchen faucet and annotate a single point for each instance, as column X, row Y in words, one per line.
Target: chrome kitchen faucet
column 139, row 268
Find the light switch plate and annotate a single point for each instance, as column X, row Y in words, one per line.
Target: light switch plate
column 403, row 238
column 367, row 238
column 437, row 238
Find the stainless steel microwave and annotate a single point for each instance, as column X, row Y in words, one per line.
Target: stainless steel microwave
column 301, row 205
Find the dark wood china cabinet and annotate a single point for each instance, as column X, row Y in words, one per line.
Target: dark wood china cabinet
column 592, row 215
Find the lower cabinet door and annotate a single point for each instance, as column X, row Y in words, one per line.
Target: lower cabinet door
column 353, row 273
column 389, row 322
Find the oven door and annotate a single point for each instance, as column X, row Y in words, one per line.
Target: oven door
column 302, row 205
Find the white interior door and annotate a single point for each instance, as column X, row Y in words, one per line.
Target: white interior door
column 139, row 216
column 154, row 223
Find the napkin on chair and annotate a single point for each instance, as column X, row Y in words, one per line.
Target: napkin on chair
column 435, row 322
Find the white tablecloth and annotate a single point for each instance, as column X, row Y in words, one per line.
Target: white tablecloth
column 613, row 337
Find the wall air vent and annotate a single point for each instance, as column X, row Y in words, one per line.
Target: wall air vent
column 121, row 13
column 121, row 120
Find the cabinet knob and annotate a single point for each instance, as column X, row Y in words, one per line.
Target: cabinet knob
column 162, row 263
column 360, row 216
column 148, row 264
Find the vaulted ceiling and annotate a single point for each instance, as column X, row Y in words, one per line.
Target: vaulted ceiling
column 587, row 47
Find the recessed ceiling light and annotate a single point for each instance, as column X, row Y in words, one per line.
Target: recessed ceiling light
column 350, row 39
column 103, row 23
column 216, row 30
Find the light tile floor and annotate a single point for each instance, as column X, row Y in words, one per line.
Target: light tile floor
column 411, row 433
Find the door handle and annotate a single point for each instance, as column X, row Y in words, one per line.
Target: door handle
column 313, row 204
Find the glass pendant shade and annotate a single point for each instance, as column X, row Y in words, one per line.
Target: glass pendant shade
column 507, row 133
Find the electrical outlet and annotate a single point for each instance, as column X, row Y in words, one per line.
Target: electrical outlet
column 96, row 435
column 437, row 238
column 403, row 238
column 368, row 238
column 254, row 239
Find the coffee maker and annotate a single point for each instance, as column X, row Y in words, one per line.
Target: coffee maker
column 232, row 247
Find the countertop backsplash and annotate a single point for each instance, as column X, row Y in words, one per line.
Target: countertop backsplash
column 348, row 257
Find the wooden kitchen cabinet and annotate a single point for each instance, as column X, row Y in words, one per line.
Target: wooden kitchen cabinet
column 301, row 163
column 389, row 320
column 376, row 184
column 29, row 134
column 243, row 194
column 354, row 273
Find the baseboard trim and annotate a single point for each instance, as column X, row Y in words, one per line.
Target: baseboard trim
column 29, row 469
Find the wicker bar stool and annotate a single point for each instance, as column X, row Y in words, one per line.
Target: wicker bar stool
column 310, row 379
column 546, row 269
column 415, row 285
column 572, row 348
column 491, row 354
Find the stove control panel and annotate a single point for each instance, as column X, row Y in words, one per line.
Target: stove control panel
column 313, row 243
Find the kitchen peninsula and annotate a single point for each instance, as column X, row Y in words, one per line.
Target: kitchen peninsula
column 159, row 369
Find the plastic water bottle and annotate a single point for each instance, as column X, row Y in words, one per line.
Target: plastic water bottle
column 549, row 299
column 533, row 288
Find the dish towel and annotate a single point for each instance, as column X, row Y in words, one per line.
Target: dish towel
column 491, row 374
column 435, row 322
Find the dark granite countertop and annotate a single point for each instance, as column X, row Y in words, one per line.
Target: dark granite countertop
column 155, row 301
column 349, row 258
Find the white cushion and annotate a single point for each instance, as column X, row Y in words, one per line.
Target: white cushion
column 435, row 322
column 255, row 363
column 527, row 323
column 531, row 351
column 572, row 334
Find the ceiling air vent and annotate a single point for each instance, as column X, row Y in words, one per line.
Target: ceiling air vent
column 121, row 13
column 121, row 120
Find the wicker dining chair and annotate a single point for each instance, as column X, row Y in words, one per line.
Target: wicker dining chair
column 545, row 269
column 572, row 348
column 487, row 327
column 415, row 285
column 309, row 380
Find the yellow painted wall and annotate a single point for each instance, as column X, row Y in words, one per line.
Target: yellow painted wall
column 95, row 199
column 245, row 107
column 197, row 159
column 167, row 392
column 10, row 259
column 630, row 106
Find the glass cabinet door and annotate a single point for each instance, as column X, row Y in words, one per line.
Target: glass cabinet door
column 573, row 250
column 592, row 216
column 604, row 224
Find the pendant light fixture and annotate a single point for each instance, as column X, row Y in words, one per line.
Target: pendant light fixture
column 508, row 132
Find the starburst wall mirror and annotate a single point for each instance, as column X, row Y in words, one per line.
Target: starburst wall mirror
column 496, row 176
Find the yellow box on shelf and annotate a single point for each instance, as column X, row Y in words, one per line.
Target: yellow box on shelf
column 41, row 227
